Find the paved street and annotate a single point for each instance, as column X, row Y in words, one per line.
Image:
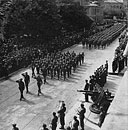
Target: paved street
column 36, row 110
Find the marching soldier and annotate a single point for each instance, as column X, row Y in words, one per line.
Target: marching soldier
column 21, row 88
column 26, row 81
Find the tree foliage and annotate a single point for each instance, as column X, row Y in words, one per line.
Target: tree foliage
column 74, row 17
column 43, row 19
column 35, row 18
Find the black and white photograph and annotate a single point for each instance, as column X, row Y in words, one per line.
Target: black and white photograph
column 63, row 64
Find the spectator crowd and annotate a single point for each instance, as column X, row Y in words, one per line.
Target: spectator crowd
column 119, row 61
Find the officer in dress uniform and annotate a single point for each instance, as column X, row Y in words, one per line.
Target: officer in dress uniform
column 26, row 81
column 21, row 88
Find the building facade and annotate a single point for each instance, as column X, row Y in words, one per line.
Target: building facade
column 95, row 12
column 125, row 4
column 114, row 7
column 93, row 9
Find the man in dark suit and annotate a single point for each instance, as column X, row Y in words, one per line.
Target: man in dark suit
column 21, row 88
column 26, row 81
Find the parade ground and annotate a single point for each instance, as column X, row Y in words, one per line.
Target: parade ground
column 36, row 110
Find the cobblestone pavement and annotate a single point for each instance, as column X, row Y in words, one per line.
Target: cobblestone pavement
column 30, row 114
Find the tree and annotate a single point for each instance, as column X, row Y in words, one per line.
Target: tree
column 34, row 18
column 74, row 17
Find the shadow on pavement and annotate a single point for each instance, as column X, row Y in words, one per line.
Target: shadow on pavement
column 46, row 96
column 29, row 102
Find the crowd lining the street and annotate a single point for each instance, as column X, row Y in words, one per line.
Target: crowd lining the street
column 16, row 54
column 119, row 61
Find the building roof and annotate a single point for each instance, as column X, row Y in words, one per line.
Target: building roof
column 114, row 1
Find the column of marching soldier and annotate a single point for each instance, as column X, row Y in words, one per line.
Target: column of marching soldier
column 57, row 64
column 104, row 38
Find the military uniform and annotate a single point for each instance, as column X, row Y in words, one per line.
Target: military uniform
column 21, row 88
column 26, row 80
column 81, row 113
